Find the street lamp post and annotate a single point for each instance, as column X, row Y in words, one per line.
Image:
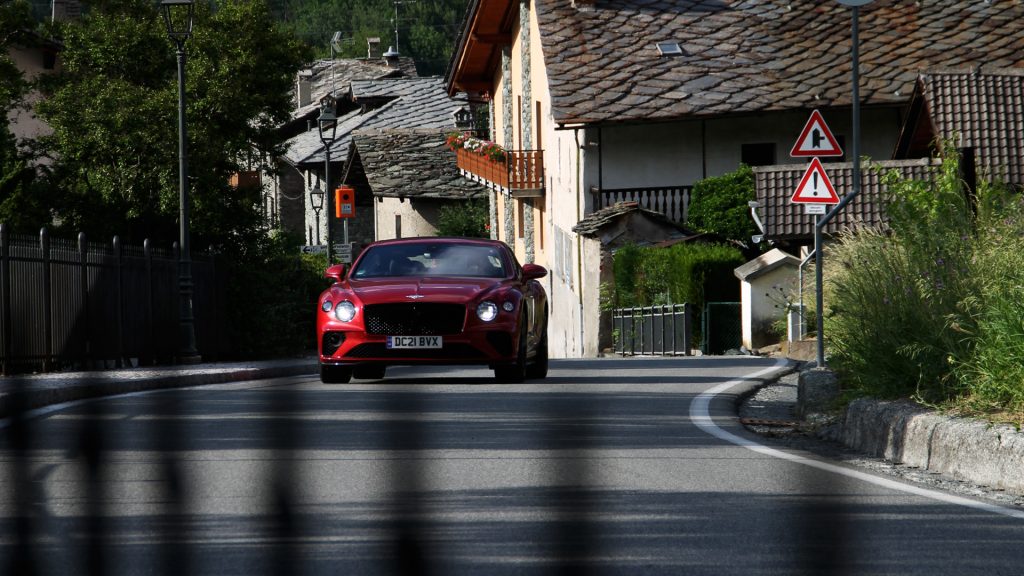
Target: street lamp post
column 327, row 124
column 178, row 17
column 316, row 201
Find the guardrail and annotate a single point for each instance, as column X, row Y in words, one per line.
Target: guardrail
column 665, row 330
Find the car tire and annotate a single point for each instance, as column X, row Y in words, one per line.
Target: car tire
column 330, row 374
column 538, row 369
column 516, row 372
column 369, row 372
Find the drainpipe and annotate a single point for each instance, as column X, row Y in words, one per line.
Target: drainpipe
column 579, row 246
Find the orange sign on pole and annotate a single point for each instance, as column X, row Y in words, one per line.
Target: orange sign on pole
column 344, row 202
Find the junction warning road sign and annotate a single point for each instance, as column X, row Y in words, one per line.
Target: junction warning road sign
column 816, row 139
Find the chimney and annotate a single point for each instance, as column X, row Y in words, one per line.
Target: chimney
column 304, row 89
column 391, row 57
column 64, row 10
column 373, row 48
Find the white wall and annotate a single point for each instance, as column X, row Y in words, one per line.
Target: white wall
column 681, row 153
column 417, row 217
column 763, row 304
column 24, row 124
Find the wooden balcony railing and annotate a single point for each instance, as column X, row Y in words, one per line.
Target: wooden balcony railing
column 521, row 172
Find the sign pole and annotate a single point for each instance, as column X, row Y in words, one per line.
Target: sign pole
column 854, row 49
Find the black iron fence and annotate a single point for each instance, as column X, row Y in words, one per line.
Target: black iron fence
column 67, row 303
column 653, row 330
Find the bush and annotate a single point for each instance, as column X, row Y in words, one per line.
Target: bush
column 719, row 205
column 931, row 309
column 273, row 291
column 683, row 273
column 467, row 219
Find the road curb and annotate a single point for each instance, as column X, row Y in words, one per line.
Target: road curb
column 38, row 391
column 961, row 448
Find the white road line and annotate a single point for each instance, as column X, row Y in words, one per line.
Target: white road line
column 701, row 416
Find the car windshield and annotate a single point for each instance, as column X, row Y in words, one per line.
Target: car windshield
column 431, row 259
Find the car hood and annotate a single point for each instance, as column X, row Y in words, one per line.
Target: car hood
column 429, row 289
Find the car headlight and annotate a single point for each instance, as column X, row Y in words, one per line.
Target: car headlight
column 326, row 306
column 487, row 311
column 508, row 306
column 345, row 311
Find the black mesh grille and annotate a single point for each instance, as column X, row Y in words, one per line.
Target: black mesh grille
column 332, row 341
column 449, row 352
column 415, row 319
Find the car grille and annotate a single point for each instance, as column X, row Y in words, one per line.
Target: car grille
column 415, row 319
column 449, row 352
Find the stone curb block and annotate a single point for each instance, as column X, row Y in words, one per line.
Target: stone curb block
column 905, row 433
column 39, row 395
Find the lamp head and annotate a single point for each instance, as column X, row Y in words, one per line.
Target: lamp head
column 178, row 18
column 327, row 122
column 316, row 198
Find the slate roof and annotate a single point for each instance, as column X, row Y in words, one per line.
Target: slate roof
column 591, row 225
column 783, row 220
column 412, row 163
column 741, row 56
column 980, row 109
column 425, row 102
column 327, row 76
column 415, row 103
column 764, row 264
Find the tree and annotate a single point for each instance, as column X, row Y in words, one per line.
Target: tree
column 22, row 205
column 426, row 29
column 113, row 109
column 719, row 205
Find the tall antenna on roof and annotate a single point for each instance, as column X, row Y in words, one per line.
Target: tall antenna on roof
column 396, row 3
column 335, row 48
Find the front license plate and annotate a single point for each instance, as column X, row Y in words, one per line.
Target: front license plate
column 414, row 342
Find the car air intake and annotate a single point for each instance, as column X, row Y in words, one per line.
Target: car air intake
column 415, row 319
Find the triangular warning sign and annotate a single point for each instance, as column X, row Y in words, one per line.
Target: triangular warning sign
column 815, row 187
column 816, row 139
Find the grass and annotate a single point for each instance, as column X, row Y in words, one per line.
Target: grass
column 930, row 309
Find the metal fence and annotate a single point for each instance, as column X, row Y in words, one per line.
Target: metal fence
column 66, row 303
column 653, row 330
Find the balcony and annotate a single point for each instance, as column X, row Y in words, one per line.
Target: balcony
column 672, row 201
column 520, row 173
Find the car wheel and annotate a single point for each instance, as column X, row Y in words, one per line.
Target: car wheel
column 516, row 372
column 369, row 372
column 330, row 374
column 538, row 369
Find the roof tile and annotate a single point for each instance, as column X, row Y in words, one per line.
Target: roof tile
column 779, row 50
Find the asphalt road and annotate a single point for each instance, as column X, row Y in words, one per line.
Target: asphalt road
column 612, row 466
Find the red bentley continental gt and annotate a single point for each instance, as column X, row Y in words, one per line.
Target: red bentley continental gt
column 433, row 301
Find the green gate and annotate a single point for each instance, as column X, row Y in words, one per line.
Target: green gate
column 722, row 327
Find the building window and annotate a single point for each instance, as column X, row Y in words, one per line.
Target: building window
column 762, row 154
column 521, row 209
column 540, row 221
column 398, row 225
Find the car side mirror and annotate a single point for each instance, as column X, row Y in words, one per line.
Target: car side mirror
column 534, row 271
column 335, row 272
